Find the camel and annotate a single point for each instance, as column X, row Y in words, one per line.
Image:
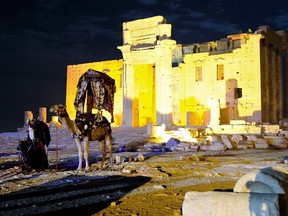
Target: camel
column 85, row 128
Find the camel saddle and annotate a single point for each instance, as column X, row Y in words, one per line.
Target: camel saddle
column 90, row 125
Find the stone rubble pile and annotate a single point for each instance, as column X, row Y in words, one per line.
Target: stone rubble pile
column 185, row 139
column 161, row 139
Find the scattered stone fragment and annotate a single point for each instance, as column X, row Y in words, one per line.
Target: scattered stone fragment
column 227, row 142
column 178, row 148
column 261, row 145
column 213, row 139
column 140, row 157
column 236, row 138
column 131, row 159
column 129, row 170
column 212, row 148
column 252, row 138
column 245, row 144
column 118, row 159
column 177, row 212
column 122, row 149
column 159, row 186
column 172, row 142
column 154, row 172
column 280, row 142
column 193, row 157
column 286, row 159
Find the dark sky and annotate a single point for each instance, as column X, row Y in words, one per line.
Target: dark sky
column 39, row 38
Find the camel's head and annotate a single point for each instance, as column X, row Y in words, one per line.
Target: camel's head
column 59, row 110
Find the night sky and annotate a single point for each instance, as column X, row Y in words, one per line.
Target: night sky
column 39, row 38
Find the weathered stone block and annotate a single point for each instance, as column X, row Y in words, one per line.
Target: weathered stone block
column 158, row 130
column 220, row 143
column 261, row 146
column 254, row 129
column 212, row 148
column 243, row 146
column 227, row 143
column 172, row 142
column 280, row 142
column 190, row 148
column 213, row 138
column 178, row 148
column 284, row 133
column 271, row 129
column 149, row 128
column 229, row 203
column 236, row 138
column 261, row 141
column 253, row 137
column 238, row 122
column 194, row 147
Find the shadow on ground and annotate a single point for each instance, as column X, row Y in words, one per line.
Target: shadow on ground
column 72, row 195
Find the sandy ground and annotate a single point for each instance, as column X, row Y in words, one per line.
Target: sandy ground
column 153, row 186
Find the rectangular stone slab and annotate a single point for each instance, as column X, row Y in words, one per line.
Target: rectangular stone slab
column 230, row 203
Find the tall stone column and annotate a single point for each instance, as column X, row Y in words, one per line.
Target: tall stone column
column 128, row 85
column 285, row 80
column 42, row 114
column 27, row 115
column 163, row 82
column 278, row 88
column 128, row 95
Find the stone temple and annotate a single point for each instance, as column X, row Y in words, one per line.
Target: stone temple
column 241, row 78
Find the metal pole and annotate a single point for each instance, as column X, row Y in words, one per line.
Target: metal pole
column 56, row 148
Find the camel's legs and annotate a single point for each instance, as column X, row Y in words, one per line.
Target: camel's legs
column 109, row 143
column 80, row 154
column 85, row 142
column 103, row 146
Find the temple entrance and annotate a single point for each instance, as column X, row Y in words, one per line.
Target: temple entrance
column 144, row 107
column 147, row 56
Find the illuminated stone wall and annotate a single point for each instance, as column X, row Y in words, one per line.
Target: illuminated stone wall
column 240, row 70
column 169, row 83
column 248, row 64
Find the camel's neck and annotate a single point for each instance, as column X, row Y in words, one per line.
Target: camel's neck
column 70, row 125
